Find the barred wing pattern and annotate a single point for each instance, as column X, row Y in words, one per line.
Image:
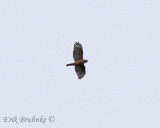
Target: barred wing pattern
column 78, row 51
column 80, row 70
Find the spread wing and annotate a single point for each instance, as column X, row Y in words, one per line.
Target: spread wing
column 78, row 51
column 80, row 70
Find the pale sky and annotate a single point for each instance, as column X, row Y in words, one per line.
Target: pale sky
column 121, row 40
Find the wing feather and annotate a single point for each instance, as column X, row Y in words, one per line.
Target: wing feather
column 80, row 70
column 78, row 51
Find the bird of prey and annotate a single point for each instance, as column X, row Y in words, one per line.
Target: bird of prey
column 78, row 60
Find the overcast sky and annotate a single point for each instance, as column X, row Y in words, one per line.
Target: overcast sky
column 121, row 40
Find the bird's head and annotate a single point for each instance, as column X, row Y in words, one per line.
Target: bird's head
column 85, row 61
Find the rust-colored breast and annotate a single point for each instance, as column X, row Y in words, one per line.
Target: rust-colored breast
column 79, row 62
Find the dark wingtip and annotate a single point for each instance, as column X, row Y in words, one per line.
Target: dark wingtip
column 77, row 43
column 80, row 77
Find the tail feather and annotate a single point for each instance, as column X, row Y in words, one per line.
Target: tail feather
column 69, row 64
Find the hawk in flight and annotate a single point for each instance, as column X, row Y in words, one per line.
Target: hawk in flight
column 79, row 61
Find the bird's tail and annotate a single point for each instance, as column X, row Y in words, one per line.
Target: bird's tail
column 71, row 64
